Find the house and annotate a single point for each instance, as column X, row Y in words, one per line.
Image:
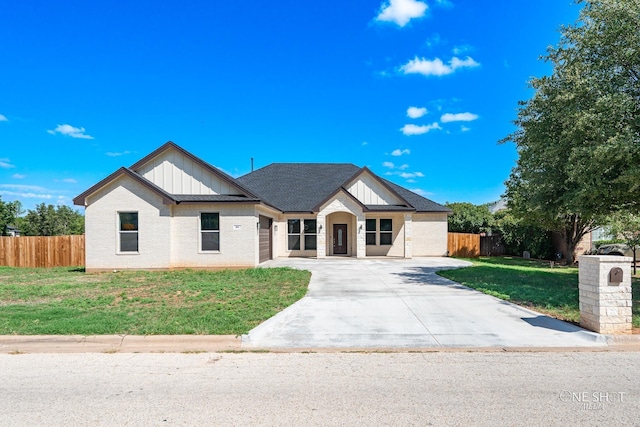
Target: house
column 12, row 231
column 171, row 209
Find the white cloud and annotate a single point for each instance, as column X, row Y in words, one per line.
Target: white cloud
column 71, row 131
column 67, row 181
column 464, row 129
column 388, row 165
column 25, row 191
column 421, row 192
column 444, row 3
column 411, row 175
column 403, row 167
column 459, row 50
column 6, row 164
column 401, row 11
column 26, row 195
column 18, row 176
column 416, row 112
column 436, row 67
column 412, row 129
column 398, row 152
column 3, row 118
column 459, row 117
column 22, row 187
column 117, row 154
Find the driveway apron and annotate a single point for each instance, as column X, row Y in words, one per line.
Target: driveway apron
column 403, row 303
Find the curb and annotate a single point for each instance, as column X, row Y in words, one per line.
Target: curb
column 61, row 344
column 17, row 344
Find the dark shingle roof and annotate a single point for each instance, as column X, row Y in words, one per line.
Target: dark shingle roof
column 422, row 204
column 213, row 198
column 389, row 208
column 301, row 187
column 297, row 187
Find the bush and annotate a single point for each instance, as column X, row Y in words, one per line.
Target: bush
column 518, row 237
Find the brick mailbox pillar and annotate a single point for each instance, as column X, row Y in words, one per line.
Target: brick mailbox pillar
column 605, row 293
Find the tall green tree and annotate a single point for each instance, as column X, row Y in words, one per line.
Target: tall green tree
column 578, row 137
column 469, row 218
column 627, row 226
column 9, row 212
column 48, row 220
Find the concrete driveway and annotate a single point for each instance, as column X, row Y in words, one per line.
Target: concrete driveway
column 369, row 303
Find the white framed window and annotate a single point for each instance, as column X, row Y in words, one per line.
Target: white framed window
column 209, row 231
column 310, row 238
column 302, row 234
column 386, row 232
column 371, row 231
column 128, row 232
column 293, row 234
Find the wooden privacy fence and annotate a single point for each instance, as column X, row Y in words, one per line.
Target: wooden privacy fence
column 464, row 245
column 42, row 251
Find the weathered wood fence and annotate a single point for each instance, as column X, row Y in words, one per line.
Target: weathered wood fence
column 42, row 251
column 492, row 246
column 464, row 245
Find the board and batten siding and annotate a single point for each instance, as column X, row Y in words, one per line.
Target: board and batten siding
column 178, row 174
column 369, row 191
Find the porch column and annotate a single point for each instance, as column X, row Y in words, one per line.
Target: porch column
column 408, row 235
column 361, row 239
column 321, row 238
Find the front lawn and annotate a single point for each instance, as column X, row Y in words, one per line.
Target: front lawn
column 64, row 301
column 530, row 283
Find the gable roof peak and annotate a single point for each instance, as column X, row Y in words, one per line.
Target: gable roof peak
column 207, row 166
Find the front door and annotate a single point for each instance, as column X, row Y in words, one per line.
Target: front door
column 339, row 239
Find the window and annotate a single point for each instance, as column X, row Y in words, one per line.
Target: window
column 310, row 234
column 128, row 231
column 371, row 232
column 210, row 231
column 301, row 234
column 386, row 232
column 293, row 231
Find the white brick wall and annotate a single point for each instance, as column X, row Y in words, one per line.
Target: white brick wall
column 397, row 249
column 282, row 237
column 101, row 227
column 169, row 236
column 429, row 234
column 238, row 236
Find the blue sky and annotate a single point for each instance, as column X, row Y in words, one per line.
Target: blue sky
column 418, row 91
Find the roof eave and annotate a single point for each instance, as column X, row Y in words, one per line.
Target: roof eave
column 81, row 200
column 316, row 208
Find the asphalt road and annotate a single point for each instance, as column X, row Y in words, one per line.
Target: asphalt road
column 443, row 388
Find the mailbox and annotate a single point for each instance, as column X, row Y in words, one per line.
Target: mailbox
column 615, row 276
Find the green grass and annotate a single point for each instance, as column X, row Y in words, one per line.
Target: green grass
column 63, row 301
column 534, row 284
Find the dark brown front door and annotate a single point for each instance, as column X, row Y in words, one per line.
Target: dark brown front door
column 339, row 239
column 264, row 239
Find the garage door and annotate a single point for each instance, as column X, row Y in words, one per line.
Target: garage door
column 265, row 239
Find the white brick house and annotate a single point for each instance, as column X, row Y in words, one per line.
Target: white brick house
column 173, row 210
